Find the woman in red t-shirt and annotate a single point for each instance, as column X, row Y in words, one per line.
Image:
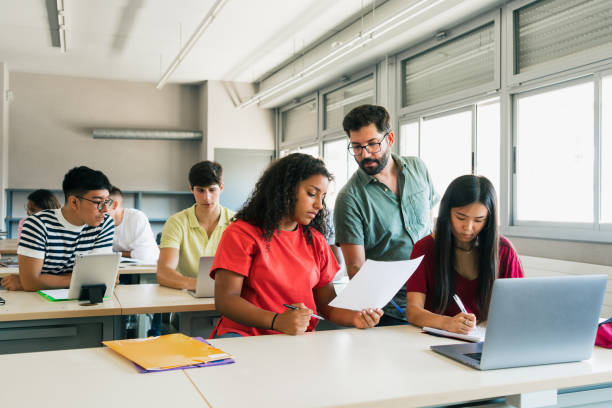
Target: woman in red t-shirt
column 275, row 254
column 464, row 256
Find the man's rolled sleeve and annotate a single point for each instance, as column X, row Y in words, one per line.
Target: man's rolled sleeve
column 347, row 221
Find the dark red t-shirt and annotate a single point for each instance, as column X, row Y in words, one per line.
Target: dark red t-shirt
column 285, row 270
column 423, row 279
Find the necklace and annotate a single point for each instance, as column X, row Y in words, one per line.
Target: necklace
column 472, row 246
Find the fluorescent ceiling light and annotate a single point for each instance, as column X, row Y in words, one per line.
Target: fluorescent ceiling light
column 145, row 134
column 342, row 50
column 212, row 13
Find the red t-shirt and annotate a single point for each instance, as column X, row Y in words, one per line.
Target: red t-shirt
column 423, row 279
column 285, row 270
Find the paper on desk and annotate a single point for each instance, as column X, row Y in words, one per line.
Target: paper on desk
column 477, row 334
column 55, row 294
column 375, row 284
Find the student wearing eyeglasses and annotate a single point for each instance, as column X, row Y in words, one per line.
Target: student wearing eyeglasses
column 384, row 208
column 51, row 238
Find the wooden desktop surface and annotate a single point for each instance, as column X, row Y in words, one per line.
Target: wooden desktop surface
column 388, row 366
column 93, row 378
column 8, row 246
column 31, row 306
column 153, row 298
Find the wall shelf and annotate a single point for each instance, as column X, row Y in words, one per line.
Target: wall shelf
column 158, row 205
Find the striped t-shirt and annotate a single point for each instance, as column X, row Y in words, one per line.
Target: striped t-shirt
column 48, row 235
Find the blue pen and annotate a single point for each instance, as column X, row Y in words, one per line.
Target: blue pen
column 316, row 316
column 399, row 309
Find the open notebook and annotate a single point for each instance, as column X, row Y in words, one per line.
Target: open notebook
column 476, row 335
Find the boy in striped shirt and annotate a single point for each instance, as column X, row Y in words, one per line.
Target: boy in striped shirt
column 51, row 238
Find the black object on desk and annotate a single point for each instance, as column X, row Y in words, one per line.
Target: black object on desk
column 2, row 302
column 93, row 293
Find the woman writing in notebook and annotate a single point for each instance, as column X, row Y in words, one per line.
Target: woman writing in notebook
column 463, row 257
column 275, row 254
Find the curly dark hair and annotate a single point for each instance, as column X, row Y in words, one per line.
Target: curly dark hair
column 274, row 196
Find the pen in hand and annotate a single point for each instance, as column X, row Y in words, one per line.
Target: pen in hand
column 459, row 303
column 316, row 316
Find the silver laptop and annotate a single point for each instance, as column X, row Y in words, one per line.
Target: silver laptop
column 535, row 321
column 205, row 286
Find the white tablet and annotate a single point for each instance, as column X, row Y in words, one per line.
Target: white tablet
column 93, row 269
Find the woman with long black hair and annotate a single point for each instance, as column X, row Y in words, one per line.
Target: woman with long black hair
column 463, row 257
column 275, row 254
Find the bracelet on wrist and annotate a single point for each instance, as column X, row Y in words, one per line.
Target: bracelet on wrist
column 273, row 319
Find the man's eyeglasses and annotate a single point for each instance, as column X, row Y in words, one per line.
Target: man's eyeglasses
column 99, row 204
column 372, row 147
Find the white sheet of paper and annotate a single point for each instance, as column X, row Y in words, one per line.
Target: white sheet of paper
column 375, row 284
column 57, row 294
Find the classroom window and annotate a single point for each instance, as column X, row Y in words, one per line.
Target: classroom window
column 299, row 122
column 606, row 150
column 336, row 159
column 312, row 150
column 338, row 103
column 488, row 117
column 409, row 139
column 446, row 142
column 555, row 155
column 548, row 30
column 446, row 147
column 462, row 63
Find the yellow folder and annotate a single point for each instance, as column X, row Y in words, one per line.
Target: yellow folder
column 168, row 351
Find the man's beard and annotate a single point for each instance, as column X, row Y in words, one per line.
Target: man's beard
column 381, row 164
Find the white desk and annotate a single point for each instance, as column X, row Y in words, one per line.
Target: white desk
column 382, row 367
column 123, row 270
column 196, row 315
column 8, row 246
column 93, row 378
column 29, row 322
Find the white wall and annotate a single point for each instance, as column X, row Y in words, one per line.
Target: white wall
column 51, row 119
column 231, row 128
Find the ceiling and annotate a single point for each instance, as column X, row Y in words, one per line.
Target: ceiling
column 138, row 39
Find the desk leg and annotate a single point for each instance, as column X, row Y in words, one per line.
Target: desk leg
column 533, row 399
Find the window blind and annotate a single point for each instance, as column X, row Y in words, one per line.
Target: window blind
column 459, row 64
column 340, row 102
column 300, row 122
column 550, row 29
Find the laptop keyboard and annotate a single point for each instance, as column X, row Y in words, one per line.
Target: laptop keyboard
column 475, row 356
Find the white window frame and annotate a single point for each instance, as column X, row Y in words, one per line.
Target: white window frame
column 561, row 64
column 595, row 232
column 491, row 87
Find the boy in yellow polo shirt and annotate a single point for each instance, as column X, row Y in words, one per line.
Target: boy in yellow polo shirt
column 195, row 231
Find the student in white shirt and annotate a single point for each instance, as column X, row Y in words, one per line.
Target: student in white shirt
column 133, row 235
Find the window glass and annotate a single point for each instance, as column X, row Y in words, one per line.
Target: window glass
column 446, row 148
column 555, row 150
column 311, row 150
column 336, row 159
column 488, row 142
column 409, row 139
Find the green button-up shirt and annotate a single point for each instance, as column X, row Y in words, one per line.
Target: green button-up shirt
column 368, row 213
